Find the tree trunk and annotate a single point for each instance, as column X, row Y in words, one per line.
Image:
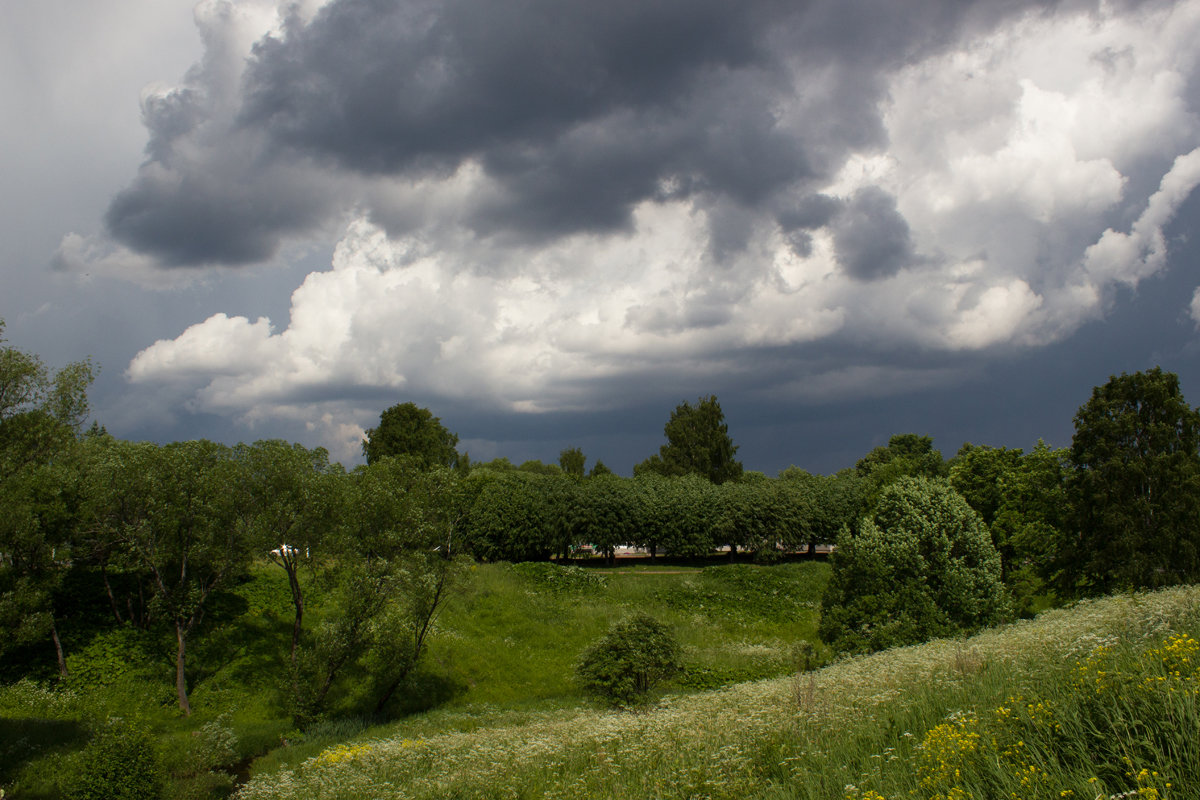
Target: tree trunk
column 62, row 662
column 298, row 602
column 112, row 599
column 180, row 675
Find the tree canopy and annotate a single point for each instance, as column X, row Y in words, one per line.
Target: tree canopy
column 921, row 566
column 1135, row 487
column 572, row 461
column 698, row 442
column 407, row 429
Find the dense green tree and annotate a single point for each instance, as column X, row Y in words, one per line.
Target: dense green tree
column 37, row 520
column 831, row 502
column 757, row 514
column 407, row 429
column 1033, row 514
column 513, row 516
column 907, row 455
column 539, row 467
column 978, row 474
column 41, row 414
column 599, row 468
column 572, row 461
column 625, row 664
column 1135, row 488
column 606, row 512
column 922, row 566
column 679, row 515
column 180, row 512
column 40, row 411
column 697, row 442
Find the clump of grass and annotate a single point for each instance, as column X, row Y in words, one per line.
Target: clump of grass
column 560, row 579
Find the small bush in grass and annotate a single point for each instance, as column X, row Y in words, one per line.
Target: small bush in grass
column 118, row 764
column 627, row 662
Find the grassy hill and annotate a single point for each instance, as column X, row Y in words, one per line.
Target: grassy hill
column 1099, row 700
column 504, row 648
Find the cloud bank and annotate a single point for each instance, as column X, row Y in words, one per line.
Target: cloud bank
column 542, row 206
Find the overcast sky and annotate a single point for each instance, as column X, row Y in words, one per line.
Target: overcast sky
column 551, row 222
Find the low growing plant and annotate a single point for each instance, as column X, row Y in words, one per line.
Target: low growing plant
column 120, row 763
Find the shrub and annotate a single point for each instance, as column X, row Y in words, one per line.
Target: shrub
column 558, row 579
column 922, row 566
column 622, row 666
column 118, row 764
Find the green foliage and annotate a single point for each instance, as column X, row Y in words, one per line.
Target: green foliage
column 978, row 474
column 572, row 461
column 118, row 764
column 830, row 502
column 513, row 515
column 697, row 442
column 1135, row 488
column 604, row 511
column 40, row 415
column 560, row 580
column 539, row 468
column 627, row 662
column 679, row 515
column 1030, row 522
column 296, row 500
column 907, row 455
column 598, row 469
column 922, row 566
column 116, row 655
column 178, row 511
column 406, row 429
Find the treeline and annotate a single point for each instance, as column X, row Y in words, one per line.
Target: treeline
column 154, row 535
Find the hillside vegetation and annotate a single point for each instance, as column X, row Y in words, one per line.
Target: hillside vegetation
column 504, row 647
column 1098, row 700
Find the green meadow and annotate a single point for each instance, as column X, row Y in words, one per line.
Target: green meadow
column 503, row 650
column 1096, row 700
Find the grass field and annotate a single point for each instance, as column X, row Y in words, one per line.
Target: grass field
column 1095, row 701
column 1100, row 700
column 504, row 650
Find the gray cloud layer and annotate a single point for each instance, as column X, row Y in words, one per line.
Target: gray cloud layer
column 576, row 111
column 554, row 207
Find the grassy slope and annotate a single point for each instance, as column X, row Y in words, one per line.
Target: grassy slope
column 507, row 640
column 506, row 645
column 1096, row 700
column 514, row 635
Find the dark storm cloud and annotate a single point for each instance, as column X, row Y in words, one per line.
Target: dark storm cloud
column 380, row 86
column 871, row 237
column 575, row 111
column 228, row 213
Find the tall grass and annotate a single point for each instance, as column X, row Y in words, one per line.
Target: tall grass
column 1096, row 700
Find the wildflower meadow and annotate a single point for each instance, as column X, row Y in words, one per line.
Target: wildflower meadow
column 1099, row 700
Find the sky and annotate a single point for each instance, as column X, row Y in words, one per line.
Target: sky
column 550, row 223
